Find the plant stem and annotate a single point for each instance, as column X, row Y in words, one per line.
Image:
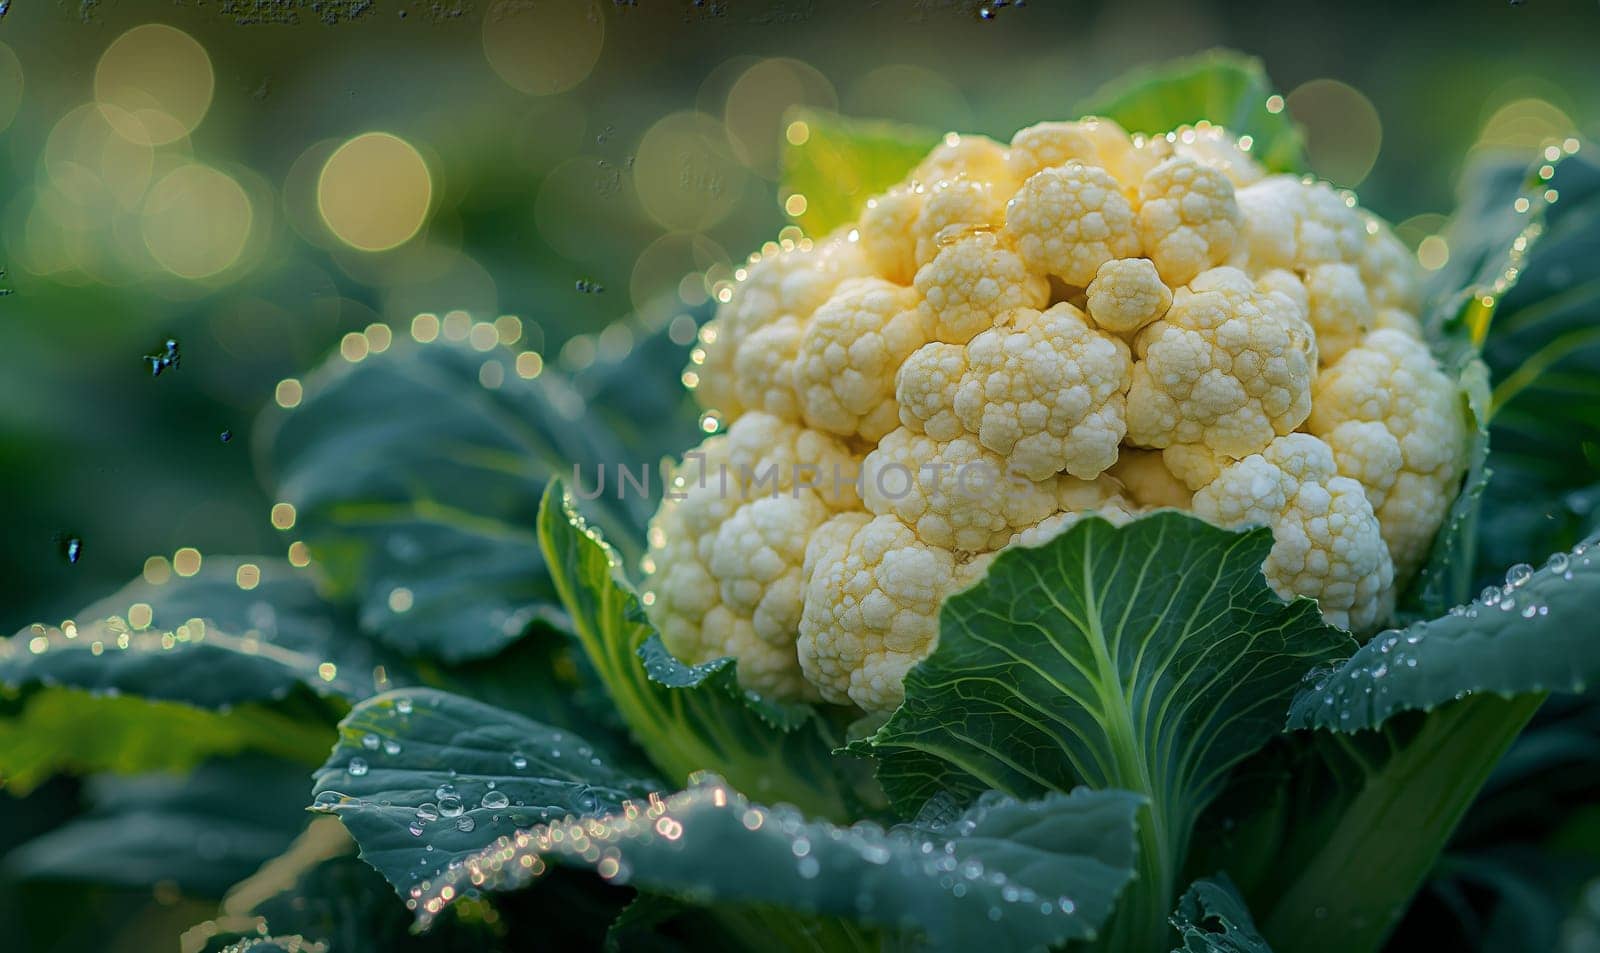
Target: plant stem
column 1357, row 886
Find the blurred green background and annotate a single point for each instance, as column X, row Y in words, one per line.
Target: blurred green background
column 263, row 181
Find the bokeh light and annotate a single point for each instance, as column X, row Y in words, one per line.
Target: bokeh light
column 160, row 81
column 670, row 274
column 10, row 86
column 685, row 175
column 196, row 221
column 543, row 47
column 1526, row 123
column 1343, row 131
column 758, row 102
column 374, row 191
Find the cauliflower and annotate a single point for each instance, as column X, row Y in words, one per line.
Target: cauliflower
column 1017, row 336
column 1188, row 219
column 1228, row 368
column 872, row 606
column 956, row 493
column 1069, row 220
column 728, row 554
column 973, row 280
column 849, row 354
column 1326, row 542
column 1045, row 390
column 792, row 283
column 1127, row 294
column 1396, row 423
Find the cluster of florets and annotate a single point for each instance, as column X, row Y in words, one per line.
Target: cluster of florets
column 1015, row 336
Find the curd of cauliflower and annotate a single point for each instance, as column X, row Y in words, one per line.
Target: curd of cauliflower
column 1019, row 335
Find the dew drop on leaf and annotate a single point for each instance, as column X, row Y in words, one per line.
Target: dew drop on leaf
column 357, row 767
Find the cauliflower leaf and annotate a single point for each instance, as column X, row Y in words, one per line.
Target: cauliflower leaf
column 1151, row 657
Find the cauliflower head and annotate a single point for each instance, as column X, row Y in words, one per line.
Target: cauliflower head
column 1020, row 334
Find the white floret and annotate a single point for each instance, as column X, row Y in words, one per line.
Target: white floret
column 1326, row 540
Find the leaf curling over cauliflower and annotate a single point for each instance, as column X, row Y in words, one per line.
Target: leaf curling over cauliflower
column 1018, row 335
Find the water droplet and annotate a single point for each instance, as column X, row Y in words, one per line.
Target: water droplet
column 168, row 356
column 391, row 747
column 225, row 436
column 416, row 829
column 402, row 705
column 1490, row 595
column 495, row 800
column 444, row 790
column 450, row 806
column 71, row 548
column 371, row 741
column 357, row 767
column 466, row 824
column 1519, row 574
column 428, row 812
column 519, row 761
column 1558, row 563
column 1530, row 611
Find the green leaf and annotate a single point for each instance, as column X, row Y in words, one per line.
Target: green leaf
column 641, row 398
column 49, row 731
column 1005, row 873
column 1151, row 657
column 1212, row 918
column 416, row 487
column 1223, row 87
column 317, row 889
column 1370, row 814
column 275, row 944
column 202, row 832
column 1580, row 933
column 250, row 645
column 1528, row 637
column 423, row 779
column 1543, row 350
column 845, row 161
column 686, row 718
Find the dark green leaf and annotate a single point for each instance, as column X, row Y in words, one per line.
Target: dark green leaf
column 641, row 398
column 1212, row 918
column 1017, row 875
column 1220, row 86
column 1581, row 931
column 202, row 833
column 255, row 644
column 416, row 486
column 844, row 161
column 1527, row 637
column 1543, row 350
column 423, row 779
column 685, row 718
column 1151, row 657
column 275, row 944
column 1382, row 803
